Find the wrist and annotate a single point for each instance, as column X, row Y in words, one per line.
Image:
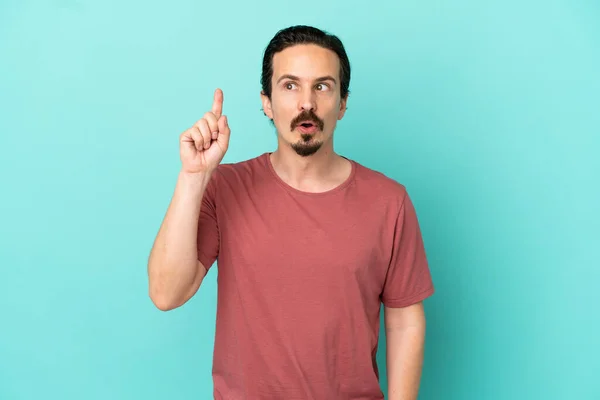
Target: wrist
column 191, row 186
column 194, row 179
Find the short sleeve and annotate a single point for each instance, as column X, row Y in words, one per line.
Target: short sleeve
column 408, row 280
column 208, row 228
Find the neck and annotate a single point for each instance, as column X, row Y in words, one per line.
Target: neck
column 315, row 173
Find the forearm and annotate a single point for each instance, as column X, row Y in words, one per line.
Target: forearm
column 173, row 261
column 405, row 350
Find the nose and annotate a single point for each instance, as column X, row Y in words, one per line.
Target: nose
column 308, row 101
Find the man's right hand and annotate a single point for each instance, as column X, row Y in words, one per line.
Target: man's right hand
column 203, row 146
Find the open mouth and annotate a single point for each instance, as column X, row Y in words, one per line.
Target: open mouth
column 307, row 127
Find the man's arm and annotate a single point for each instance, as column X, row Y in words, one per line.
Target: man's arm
column 174, row 272
column 405, row 340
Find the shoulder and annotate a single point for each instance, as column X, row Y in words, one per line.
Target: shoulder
column 378, row 184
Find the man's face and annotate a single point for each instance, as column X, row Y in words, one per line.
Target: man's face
column 305, row 102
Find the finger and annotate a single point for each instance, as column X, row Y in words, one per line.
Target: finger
column 205, row 132
column 197, row 137
column 213, row 124
column 187, row 138
column 217, row 107
column 224, row 132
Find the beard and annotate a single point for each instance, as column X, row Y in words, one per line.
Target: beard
column 306, row 146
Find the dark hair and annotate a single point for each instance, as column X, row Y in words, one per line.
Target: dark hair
column 302, row 34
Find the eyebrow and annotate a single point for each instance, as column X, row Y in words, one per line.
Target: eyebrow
column 295, row 78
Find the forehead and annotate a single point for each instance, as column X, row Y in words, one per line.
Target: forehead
column 307, row 61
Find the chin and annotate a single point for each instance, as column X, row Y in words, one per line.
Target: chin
column 306, row 149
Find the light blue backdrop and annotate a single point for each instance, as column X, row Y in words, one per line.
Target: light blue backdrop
column 489, row 113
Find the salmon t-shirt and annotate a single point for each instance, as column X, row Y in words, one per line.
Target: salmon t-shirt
column 301, row 278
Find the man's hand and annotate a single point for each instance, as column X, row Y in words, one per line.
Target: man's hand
column 203, row 146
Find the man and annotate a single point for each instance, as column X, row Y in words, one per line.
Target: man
column 308, row 243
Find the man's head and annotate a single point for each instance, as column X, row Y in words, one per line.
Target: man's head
column 305, row 80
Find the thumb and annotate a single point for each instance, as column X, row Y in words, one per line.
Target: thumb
column 224, row 131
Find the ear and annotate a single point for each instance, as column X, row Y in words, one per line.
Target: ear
column 342, row 111
column 266, row 103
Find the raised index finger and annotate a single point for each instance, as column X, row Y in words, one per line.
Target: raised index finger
column 217, row 107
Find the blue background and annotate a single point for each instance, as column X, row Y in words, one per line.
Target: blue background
column 488, row 112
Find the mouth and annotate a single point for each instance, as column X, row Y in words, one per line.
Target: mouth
column 307, row 127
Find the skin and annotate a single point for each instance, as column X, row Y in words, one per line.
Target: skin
column 305, row 84
column 405, row 345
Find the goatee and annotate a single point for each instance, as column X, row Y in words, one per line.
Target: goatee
column 306, row 147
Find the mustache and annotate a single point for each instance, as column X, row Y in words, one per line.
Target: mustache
column 307, row 116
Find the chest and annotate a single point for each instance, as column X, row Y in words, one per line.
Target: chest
column 307, row 248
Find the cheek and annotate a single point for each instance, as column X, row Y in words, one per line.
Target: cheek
column 333, row 111
column 330, row 105
column 280, row 105
column 283, row 114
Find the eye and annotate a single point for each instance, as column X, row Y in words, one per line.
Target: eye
column 322, row 86
column 290, row 86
